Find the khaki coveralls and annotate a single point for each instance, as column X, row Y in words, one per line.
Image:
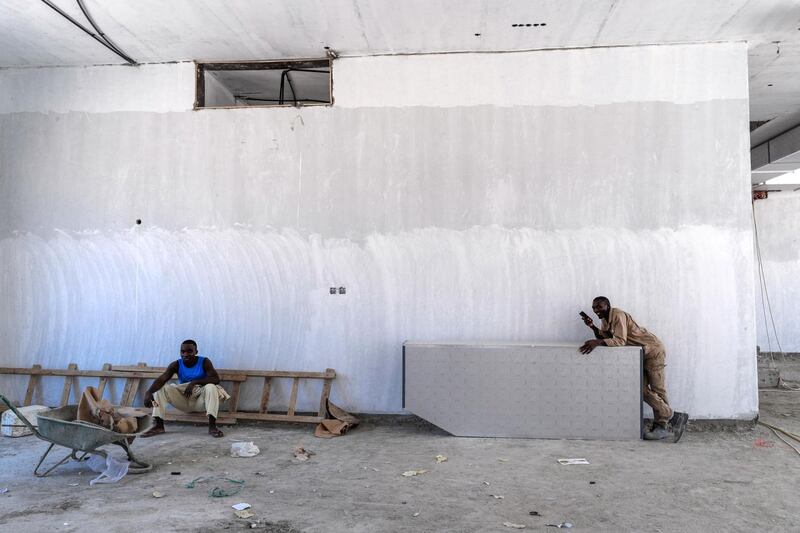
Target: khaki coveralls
column 203, row 398
column 622, row 330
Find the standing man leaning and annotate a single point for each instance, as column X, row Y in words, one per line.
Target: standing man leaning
column 198, row 390
column 619, row 329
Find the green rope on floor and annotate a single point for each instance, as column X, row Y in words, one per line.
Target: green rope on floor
column 218, row 492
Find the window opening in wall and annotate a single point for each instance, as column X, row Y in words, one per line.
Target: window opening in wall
column 301, row 82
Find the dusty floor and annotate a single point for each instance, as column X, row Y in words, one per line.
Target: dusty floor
column 711, row 481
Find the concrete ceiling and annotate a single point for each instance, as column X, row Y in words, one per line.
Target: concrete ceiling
column 151, row 31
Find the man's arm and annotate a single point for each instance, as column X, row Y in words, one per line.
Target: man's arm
column 212, row 378
column 590, row 345
column 620, row 329
column 605, row 337
column 211, row 374
column 598, row 333
column 159, row 382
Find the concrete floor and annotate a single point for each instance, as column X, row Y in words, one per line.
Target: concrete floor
column 712, row 480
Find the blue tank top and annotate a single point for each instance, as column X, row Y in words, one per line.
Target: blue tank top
column 187, row 374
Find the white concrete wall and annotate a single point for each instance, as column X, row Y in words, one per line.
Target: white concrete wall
column 475, row 215
column 779, row 239
column 104, row 89
column 581, row 77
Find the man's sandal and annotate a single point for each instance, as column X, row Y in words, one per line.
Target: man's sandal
column 152, row 432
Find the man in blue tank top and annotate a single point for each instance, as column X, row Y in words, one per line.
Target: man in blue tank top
column 198, row 389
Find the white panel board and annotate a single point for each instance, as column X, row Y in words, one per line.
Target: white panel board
column 525, row 390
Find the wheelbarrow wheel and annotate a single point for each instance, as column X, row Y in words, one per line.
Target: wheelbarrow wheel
column 140, row 467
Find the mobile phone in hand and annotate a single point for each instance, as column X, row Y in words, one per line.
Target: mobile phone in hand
column 583, row 315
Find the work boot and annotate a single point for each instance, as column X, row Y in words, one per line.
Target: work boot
column 657, row 433
column 678, row 423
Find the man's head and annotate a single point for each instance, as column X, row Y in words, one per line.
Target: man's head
column 189, row 351
column 601, row 307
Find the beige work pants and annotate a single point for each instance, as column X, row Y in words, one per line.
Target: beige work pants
column 204, row 397
column 654, row 386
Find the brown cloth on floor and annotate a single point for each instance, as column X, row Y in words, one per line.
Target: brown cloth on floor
column 336, row 423
column 95, row 410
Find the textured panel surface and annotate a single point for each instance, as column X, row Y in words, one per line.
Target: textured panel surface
column 525, row 390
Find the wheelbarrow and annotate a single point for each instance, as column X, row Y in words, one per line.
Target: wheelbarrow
column 60, row 427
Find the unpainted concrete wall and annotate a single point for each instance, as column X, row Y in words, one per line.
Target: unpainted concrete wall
column 449, row 213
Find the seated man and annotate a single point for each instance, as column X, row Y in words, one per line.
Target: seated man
column 619, row 329
column 198, row 390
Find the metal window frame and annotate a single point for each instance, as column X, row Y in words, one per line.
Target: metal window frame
column 284, row 64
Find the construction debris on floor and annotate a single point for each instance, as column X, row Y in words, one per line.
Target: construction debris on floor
column 244, row 449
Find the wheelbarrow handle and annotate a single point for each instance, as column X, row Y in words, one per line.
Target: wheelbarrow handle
column 20, row 415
